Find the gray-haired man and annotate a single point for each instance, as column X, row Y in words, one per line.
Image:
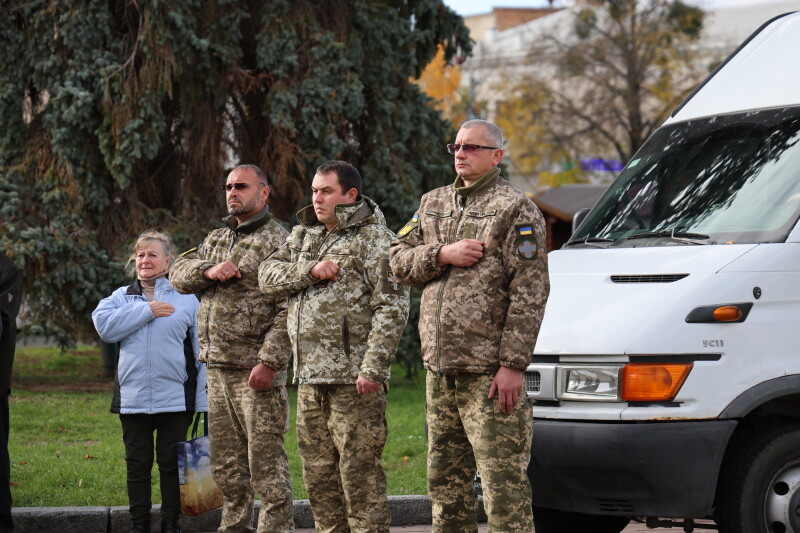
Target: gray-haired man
column 477, row 246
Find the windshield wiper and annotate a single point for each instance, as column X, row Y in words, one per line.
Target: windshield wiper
column 680, row 236
column 589, row 240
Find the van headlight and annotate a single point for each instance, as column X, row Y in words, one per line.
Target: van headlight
column 630, row 382
column 589, row 382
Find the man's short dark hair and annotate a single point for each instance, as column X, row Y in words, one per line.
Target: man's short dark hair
column 260, row 174
column 348, row 175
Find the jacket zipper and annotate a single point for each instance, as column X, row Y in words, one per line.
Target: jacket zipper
column 462, row 203
column 233, row 241
column 301, row 298
column 150, row 362
column 208, row 322
column 213, row 299
column 346, row 337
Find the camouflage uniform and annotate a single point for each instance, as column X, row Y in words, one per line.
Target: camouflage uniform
column 238, row 328
column 472, row 321
column 340, row 330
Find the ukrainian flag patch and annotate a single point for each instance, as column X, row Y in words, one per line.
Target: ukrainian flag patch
column 394, row 283
column 191, row 250
column 410, row 225
column 526, row 241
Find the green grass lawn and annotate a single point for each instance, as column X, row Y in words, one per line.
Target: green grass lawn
column 66, row 447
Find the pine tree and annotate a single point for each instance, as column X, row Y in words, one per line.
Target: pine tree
column 117, row 116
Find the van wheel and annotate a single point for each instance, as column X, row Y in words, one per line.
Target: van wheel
column 553, row 521
column 761, row 486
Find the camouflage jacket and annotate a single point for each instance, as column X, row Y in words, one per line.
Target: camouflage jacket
column 238, row 326
column 339, row 329
column 478, row 318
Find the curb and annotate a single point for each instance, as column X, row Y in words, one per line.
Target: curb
column 405, row 510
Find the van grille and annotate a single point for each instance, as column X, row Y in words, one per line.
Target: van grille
column 647, row 278
column 533, row 381
column 614, row 506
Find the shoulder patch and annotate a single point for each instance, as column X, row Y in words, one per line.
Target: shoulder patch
column 526, row 241
column 191, row 250
column 410, row 225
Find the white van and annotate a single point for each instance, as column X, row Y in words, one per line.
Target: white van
column 666, row 377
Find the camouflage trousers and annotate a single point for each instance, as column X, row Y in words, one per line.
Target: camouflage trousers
column 246, row 430
column 340, row 436
column 465, row 430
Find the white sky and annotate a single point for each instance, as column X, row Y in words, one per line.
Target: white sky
column 474, row 7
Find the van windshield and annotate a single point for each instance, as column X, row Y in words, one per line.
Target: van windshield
column 725, row 179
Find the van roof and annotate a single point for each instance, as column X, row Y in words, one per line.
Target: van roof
column 763, row 72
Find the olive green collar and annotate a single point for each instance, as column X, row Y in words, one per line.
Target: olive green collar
column 479, row 186
column 251, row 224
column 363, row 211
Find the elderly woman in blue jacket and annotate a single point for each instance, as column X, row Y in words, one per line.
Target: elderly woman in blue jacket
column 159, row 381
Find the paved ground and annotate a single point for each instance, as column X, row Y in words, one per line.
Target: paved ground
column 482, row 528
column 405, row 509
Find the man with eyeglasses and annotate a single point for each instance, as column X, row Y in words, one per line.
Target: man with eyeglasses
column 346, row 316
column 477, row 246
column 243, row 341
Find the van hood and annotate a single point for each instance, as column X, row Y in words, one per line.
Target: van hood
column 591, row 313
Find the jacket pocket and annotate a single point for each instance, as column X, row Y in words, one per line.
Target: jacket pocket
column 442, row 222
column 478, row 224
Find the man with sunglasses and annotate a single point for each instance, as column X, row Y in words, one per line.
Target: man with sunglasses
column 477, row 246
column 243, row 341
column 346, row 316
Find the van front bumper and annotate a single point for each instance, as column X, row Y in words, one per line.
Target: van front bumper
column 664, row 469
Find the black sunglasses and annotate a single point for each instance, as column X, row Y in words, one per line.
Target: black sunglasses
column 469, row 148
column 239, row 186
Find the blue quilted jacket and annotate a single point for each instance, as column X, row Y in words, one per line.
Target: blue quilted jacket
column 158, row 370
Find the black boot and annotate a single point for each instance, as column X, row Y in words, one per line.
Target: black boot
column 140, row 527
column 171, row 526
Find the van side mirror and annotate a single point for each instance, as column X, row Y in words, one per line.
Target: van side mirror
column 579, row 217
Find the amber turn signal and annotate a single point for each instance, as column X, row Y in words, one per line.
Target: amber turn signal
column 730, row 313
column 727, row 313
column 653, row 382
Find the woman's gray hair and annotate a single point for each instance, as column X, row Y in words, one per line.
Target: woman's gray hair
column 493, row 133
column 144, row 239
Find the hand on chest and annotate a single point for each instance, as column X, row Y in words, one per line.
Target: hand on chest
column 345, row 249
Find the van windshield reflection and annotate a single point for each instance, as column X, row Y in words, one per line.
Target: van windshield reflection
column 731, row 179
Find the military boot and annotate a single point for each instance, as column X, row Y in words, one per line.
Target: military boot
column 171, row 526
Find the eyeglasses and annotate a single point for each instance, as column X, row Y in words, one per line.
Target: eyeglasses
column 239, row 186
column 469, row 148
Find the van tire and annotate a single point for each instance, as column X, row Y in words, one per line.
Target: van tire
column 760, row 485
column 553, row 521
